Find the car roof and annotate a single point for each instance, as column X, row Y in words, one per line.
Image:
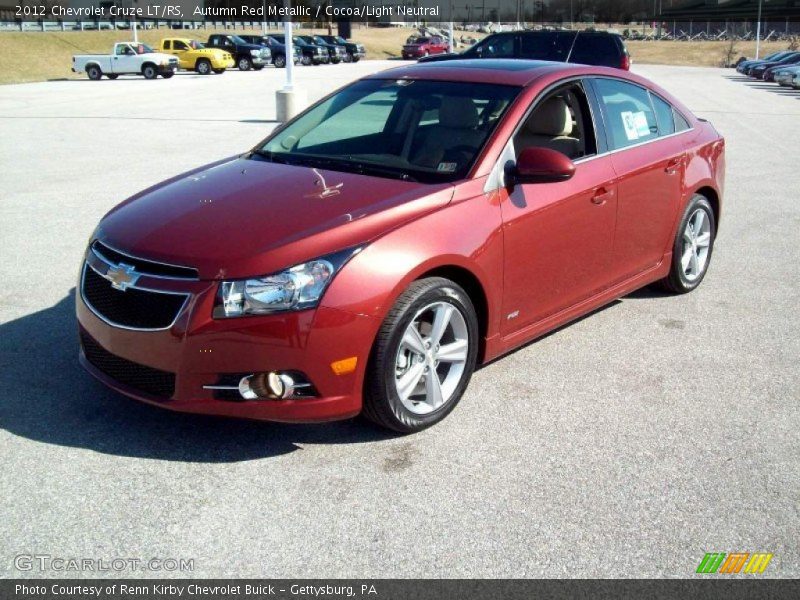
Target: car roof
column 508, row 71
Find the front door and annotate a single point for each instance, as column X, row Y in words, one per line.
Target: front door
column 558, row 236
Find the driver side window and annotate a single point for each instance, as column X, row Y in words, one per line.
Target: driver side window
column 561, row 121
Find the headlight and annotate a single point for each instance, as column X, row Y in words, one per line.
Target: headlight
column 254, row 52
column 296, row 288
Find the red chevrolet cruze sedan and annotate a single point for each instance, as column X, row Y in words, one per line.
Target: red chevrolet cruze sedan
column 369, row 254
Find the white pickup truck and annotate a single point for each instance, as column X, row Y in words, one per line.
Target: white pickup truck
column 128, row 58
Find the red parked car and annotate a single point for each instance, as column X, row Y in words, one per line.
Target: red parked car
column 369, row 254
column 425, row 46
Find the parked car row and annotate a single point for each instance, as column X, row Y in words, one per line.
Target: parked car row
column 781, row 67
column 220, row 52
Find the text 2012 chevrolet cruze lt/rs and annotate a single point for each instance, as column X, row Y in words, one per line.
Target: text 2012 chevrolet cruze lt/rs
column 419, row 222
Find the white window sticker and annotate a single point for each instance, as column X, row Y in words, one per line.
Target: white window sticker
column 447, row 167
column 640, row 120
column 628, row 122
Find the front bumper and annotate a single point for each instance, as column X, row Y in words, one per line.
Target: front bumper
column 201, row 351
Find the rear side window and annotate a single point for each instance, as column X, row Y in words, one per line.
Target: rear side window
column 601, row 50
column 546, row 46
column 681, row 124
column 628, row 114
column 664, row 116
column 167, row 45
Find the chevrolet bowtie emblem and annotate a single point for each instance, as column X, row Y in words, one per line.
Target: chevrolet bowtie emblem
column 122, row 276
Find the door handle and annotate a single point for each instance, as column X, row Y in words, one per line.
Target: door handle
column 601, row 196
column 672, row 166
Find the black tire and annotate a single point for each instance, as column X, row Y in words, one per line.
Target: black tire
column 279, row 61
column 244, row 64
column 112, row 75
column 356, row 59
column 167, row 74
column 306, row 60
column 203, row 66
column 676, row 282
column 94, row 72
column 219, row 71
column 257, row 67
column 348, row 57
column 149, row 71
column 382, row 405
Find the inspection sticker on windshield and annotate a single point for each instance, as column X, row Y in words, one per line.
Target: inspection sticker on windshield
column 447, row 167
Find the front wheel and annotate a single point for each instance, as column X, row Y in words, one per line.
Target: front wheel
column 306, row 60
column 423, row 357
column 112, row 75
column 167, row 74
column 691, row 251
column 244, row 64
column 203, row 66
column 279, row 61
column 149, row 72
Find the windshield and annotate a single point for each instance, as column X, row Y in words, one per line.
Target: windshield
column 197, row 45
column 428, row 131
column 340, row 40
column 299, row 41
column 319, row 40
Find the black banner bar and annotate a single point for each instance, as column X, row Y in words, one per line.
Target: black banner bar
column 394, row 589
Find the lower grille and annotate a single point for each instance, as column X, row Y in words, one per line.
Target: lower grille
column 154, row 382
column 133, row 308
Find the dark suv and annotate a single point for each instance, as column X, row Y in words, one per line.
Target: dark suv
column 355, row 52
column 277, row 49
column 247, row 56
column 585, row 47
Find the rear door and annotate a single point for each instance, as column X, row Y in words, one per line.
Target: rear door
column 649, row 160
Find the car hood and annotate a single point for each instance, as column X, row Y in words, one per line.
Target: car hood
column 242, row 217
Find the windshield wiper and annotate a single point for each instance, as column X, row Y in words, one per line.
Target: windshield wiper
column 335, row 164
column 362, row 168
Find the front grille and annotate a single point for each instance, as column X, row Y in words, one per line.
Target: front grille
column 154, row 382
column 143, row 265
column 134, row 308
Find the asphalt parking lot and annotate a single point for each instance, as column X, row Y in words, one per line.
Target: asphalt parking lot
column 627, row 444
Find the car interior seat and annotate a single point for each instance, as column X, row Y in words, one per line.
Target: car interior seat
column 550, row 126
column 454, row 138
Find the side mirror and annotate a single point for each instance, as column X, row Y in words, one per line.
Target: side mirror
column 540, row 165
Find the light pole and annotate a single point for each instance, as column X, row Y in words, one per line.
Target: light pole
column 288, row 101
column 758, row 29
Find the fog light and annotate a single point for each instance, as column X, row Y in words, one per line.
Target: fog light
column 272, row 385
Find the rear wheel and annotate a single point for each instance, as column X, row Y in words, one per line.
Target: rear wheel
column 423, row 357
column 149, row 71
column 94, row 73
column 203, row 66
column 244, row 64
column 691, row 251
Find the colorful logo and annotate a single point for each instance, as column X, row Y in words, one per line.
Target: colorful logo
column 720, row 562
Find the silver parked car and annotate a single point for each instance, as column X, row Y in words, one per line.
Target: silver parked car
column 784, row 76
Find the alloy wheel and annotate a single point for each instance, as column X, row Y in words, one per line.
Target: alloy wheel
column 696, row 245
column 431, row 358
